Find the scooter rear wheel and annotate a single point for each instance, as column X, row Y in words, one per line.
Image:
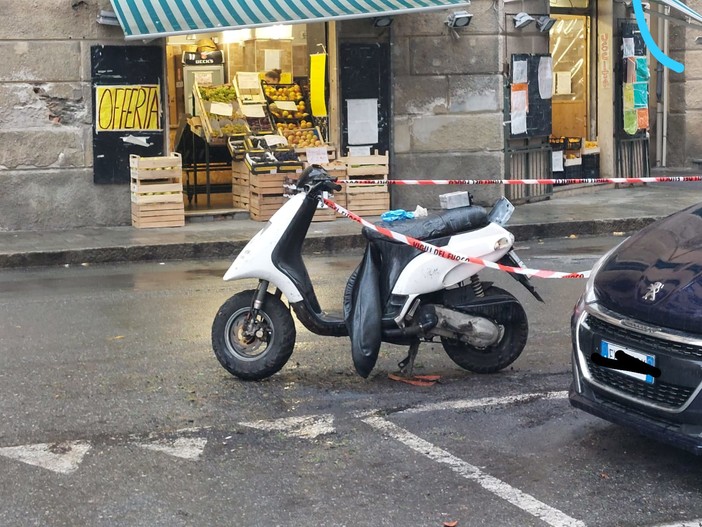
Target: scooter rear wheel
column 269, row 346
column 499, row 355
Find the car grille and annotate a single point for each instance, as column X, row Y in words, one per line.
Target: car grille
column 668, row 395
column 654, row 344
column 664, row 394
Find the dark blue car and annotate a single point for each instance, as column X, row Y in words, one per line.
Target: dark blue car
column 637, row 333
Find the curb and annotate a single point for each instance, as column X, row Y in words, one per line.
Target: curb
column 313, row 245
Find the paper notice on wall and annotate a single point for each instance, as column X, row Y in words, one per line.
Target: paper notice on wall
column 253, row 110
column 628, row 47
column 563, row 83
column 221, row 108
column 271, row 59
column 545, row 77
column 363, row 121
column 557, row 160
column 248, row 80
column 520, row 72
column 519, row 98
column 518, row 123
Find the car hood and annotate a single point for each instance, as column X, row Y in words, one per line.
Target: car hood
column 656, row 275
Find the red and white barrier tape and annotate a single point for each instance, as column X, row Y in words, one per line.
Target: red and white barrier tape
column 429, row 248
column 670, row 179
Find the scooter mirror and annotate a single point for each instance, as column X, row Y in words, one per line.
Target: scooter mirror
column 312, row 174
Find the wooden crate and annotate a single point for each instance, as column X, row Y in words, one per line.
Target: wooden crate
column 368, row 203
column 165, row 167
column 240, row 185
column 151, row 215
column 372, row 166
column 266, row 195
column 156, row 191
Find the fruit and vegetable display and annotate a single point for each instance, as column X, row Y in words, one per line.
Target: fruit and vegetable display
column 259, row 124
column 300, row 137
column 220, row 93
column 283, row 92
column 300, row 113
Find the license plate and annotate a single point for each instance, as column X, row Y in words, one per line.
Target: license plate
column 609, row 349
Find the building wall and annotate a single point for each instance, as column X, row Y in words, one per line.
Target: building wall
column 449, row 100
column 46, row 118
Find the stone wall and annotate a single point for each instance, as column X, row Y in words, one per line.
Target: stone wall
column 46, row 118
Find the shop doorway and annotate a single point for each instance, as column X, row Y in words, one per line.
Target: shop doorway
column 569, row 45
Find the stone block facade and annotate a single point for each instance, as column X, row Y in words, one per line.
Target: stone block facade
column 46, row 118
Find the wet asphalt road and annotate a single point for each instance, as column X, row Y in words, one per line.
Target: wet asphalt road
column 108, row 370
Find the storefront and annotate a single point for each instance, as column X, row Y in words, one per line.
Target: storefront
column 86, row 98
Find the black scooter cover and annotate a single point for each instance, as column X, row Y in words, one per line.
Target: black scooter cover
column 364, row 313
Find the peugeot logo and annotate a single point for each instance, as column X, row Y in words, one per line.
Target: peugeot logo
column 652, row 291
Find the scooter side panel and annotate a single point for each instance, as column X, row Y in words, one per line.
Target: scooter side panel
column 428, row 273
column 254, row 261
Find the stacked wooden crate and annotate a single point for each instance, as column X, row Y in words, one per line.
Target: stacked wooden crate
column 266, row 194
column 157, row 191
column 241, row 193
column 367, row 199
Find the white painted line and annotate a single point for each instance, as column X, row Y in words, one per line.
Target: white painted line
column 468, row 404
column 498, row 487
column 689, row 523
column 306, row 427
column 63, row 458
column 189, row 448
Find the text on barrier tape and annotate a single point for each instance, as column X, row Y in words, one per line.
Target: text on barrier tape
column 429, row 248
column 671, row 179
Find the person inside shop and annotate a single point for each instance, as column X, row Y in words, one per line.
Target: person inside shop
column 272, row 77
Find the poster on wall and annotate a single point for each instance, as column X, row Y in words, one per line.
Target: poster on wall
column 127, row 108
column 531, row 87
column 363, row 121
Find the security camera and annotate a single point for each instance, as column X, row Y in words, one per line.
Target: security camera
column 522, row 20
column 459, row 19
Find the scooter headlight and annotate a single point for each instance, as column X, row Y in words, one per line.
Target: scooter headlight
column 502, row 243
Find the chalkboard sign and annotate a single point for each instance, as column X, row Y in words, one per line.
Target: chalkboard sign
column 127, row 94
column 524, row 76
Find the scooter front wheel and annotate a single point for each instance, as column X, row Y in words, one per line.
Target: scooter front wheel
column 253, row 349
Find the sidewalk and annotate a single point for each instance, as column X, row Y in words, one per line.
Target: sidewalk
column 599, row 212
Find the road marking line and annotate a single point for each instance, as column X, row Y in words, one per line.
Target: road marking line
column 498, row 487
column 467, row 404
column 690, row 523
column 63, row 458
column 189, row 448
column 306, row 427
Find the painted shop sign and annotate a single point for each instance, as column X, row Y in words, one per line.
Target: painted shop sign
column 123, row 108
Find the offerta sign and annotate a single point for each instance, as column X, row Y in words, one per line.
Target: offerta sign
column 127, row 108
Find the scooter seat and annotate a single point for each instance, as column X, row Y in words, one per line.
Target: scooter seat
column 435, row 225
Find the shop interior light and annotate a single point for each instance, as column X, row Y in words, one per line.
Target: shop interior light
column 544, row 23
column 459, row 19
column 382, row 21
column 522, row 20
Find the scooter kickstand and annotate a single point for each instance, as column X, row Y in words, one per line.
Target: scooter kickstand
column 407, row 364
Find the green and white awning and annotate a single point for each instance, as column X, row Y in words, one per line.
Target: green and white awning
column 160, row 18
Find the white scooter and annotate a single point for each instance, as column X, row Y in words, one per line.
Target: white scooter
column 397, row 294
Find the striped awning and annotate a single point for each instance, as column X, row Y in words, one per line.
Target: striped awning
column 160, row 18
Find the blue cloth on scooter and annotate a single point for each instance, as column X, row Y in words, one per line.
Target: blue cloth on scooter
column 398, row 214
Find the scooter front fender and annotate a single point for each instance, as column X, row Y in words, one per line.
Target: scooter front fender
column 254, row 260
